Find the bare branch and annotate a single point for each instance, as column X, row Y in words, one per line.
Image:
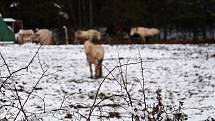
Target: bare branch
column 21, row 106
column 23, row 68
column 32, row 91
column 8, row 69
column 97, row 92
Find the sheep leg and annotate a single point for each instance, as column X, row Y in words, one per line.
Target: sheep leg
column 143, row 38
column 157, row 37
column 99, row 70
column 76, row 41
column 91, row 75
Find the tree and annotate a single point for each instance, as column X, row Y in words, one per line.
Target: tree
column 5, row 7
column 38, row 13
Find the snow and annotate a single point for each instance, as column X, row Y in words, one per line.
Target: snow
column 57, row 5
column 14, row 4
column 64, row 14
column 9, row 19
column 183, row 72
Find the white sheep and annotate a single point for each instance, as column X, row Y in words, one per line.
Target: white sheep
column 44, row 37
column 144, row 32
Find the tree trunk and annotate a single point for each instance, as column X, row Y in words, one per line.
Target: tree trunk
column 90, row 13
column 165, row 32
column 204, row 34
column 79, row 13
column 195, row 33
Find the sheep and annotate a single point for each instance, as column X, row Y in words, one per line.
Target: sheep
column 95, row 55
column 44, row 37
column 86, row 35
column 80, row 36
column 154, row 32
column 24, row 36
column 145, row 32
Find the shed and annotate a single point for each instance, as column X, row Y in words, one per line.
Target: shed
column 6, row 34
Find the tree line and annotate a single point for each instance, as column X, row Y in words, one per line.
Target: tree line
column 194, row 16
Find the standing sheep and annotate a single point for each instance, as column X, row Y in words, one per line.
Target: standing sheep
column 145, row 32
column 80, row 36
column 86, row 35
column 95, row 55
column 44, row 37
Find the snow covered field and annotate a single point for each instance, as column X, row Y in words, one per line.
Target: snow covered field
column 183, row 72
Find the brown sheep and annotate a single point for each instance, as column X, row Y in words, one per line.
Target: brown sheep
column 86, row 35
column 24, row 36
column 80, row 36
column 95, row 55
